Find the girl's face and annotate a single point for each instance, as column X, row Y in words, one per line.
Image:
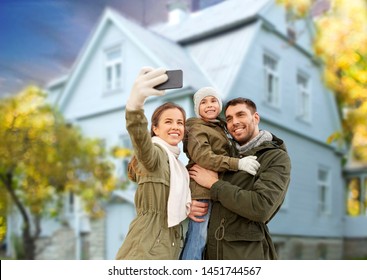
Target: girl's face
column 171, row 126
column 209, row 108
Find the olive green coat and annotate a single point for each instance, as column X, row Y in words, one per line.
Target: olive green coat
column 208, row 145
column 149, row 237
column 243, row 205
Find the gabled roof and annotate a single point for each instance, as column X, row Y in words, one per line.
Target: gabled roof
column 167, row 45
column 163, row 52
column 218, row 38
column 59, row 81
column 215, row 19
column 222, row 56
column 166, row 52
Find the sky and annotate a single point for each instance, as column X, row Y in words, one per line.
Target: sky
column 40, row 39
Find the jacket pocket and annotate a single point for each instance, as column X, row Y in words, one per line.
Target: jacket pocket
column 245, row 232
column 160, row 248
column 156, row 241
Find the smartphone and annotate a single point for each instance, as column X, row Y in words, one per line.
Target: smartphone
column 174, row 80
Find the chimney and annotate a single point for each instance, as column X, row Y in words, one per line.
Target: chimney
column 178, row 10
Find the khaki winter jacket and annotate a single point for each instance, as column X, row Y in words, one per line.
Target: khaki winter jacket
column 149, row 237
column 243, row 205
column 208, row 145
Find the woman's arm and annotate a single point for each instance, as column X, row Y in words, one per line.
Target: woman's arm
column 136, row 122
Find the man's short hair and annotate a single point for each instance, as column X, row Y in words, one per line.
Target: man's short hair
column 241, row 100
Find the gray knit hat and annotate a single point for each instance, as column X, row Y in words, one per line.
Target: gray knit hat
column 202, row 93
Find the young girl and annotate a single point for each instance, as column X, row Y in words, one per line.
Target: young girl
column 207, row 145
column 163, row 196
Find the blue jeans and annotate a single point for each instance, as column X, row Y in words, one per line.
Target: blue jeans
column 196, row 236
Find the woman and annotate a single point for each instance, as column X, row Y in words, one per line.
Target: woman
column 162, row 198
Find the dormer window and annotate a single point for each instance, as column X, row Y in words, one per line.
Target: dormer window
column 113, row 69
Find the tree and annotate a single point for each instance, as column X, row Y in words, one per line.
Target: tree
column 42, row 157
column 340, row 42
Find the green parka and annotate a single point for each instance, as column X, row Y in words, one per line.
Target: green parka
column 243, row 205
column 208, row 145
column 149, row 237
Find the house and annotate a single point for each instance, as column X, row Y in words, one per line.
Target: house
column 245, row 48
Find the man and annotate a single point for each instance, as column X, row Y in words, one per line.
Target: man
column 243, row 204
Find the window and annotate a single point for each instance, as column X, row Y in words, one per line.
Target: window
column 271, row 80
column 324, row 191
column 303, row 99
column 357, row 196
column 113, row 71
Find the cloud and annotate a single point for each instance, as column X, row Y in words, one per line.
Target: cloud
column 39, row 42
column 40, row 39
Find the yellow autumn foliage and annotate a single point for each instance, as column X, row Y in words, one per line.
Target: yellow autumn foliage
column 341, row 43
column 47, row 157
column 299, row 8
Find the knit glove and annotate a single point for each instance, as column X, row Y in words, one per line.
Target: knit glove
column 143, row 87
column 249, row 164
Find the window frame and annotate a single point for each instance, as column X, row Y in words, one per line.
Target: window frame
column 271, row 73
column 303, row 97
column 113, row 68
column 324, row 197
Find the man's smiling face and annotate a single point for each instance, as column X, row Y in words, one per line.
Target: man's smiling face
column 242, row 124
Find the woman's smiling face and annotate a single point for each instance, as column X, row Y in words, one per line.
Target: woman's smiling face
column 171, row 126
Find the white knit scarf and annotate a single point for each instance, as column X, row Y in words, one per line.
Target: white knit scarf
column 179, row 198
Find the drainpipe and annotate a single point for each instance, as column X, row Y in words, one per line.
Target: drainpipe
column 77, row 228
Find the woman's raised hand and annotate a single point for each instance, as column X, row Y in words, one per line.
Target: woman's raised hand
column 143, row 86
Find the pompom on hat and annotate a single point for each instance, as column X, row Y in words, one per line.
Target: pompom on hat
column 202, row 93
